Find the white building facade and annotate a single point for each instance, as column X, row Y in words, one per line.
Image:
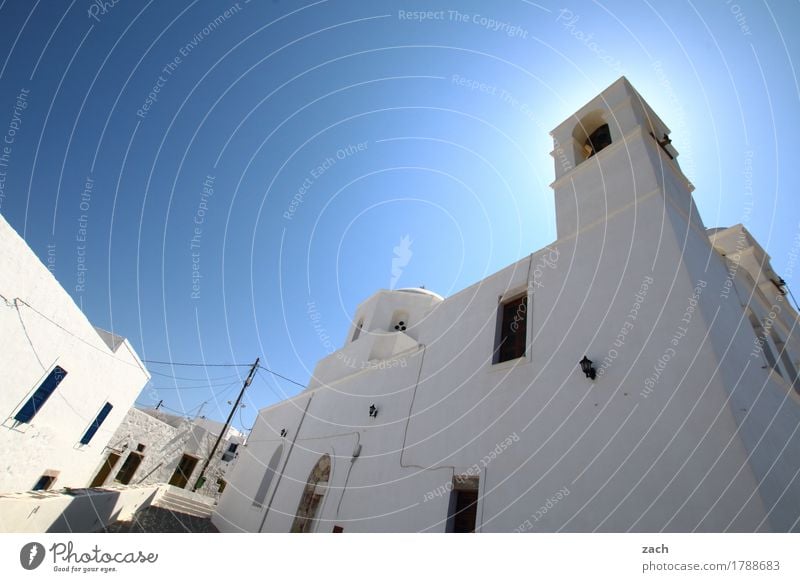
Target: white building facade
column 472, row 413
column 152, row 447
column 66, row 385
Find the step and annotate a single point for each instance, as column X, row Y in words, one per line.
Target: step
column 185, row 502
column 181, row 507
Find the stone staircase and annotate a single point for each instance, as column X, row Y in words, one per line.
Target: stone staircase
column 183, row 501
column 174, row 510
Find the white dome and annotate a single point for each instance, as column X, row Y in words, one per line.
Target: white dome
column 420, row 291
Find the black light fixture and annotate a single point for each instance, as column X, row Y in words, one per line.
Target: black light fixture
column 283, row 432
column 587, row 368
column 373, row 411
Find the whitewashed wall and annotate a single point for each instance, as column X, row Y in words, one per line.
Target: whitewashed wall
column 682, row 430
column 42, row 327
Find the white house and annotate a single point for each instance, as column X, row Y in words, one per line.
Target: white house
column 474, row 413
column 152, row 446
column 65, row 386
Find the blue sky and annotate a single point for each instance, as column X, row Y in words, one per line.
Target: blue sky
column 282, row 150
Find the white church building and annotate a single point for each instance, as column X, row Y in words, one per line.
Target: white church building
column 637, row 374
column 65, row 385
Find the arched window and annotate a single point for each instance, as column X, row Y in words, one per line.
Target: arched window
column 266, row 480
column 599, row 139
column 312, row 496
column 591, row 135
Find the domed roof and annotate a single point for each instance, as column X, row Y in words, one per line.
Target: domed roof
column 420, row 291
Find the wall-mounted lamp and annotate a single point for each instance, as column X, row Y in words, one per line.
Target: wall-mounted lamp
column 587, row 368
column 373, row 411
column 283, row 432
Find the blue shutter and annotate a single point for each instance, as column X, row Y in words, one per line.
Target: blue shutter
column 43, row 392
column 96, row 424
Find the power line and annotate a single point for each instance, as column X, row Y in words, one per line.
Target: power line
column 281, row 376
column 228, row 377
column 247, row 382
column 244, row 426
column 198, row 387
column 198, row 364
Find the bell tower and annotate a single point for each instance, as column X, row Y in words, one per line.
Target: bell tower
column 611, row 154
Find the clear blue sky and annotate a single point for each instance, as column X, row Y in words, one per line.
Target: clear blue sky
column 267, row 104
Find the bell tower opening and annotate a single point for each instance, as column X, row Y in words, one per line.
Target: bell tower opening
column 590, row 135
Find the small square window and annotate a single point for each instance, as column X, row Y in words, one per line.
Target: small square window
column 46, row 481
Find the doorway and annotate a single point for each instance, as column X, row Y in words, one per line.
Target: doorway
column 129, row 467
column 183, row 471
column 105, row 470
column 463, row 511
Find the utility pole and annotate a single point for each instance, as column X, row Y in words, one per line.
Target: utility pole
column 201, row 479
column 160, row 402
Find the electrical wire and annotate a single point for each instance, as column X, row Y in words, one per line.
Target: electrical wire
column 194, row 379
column 281, row 376
column 241, row 422
column 198, row 387
column 201, row 365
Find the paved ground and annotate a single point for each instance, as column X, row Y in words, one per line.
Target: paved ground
column 158, row 520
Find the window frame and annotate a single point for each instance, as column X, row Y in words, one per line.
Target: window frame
column 98, row 421
column 24, row 414
column 517, row 298
column 463, row 488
